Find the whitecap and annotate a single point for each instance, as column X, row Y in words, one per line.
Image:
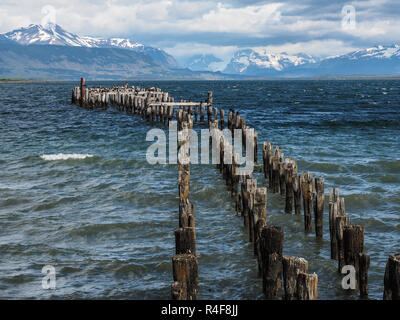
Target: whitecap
column 62, row 156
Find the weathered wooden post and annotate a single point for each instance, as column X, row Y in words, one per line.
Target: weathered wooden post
column 297, row 194
column 340, row 223
column 364, row 263
column 196, row 112
column 244, row 129
column 215, row 111
column 243, row 195
column 306, row 190
column 292, row 266
column 259, row 212
column 191, row 111
column 259, row 227
column 353, row 240
column 392, row 278
column 186, row 212
column 275, row 174
column 338, row 220
column 264, row 156
column 185, row 240
column 184, row 263
column 271, row 241
column 238, row 120
column 333, row 195
column 230, row 116
column 235, row 177
column 282, row 169
column 171, row 113
column 307, row 286
column 202, row 111
column 267, row 152
column 222, row 118
column 251, row 190
column 185, row 274
column 83, row 92
column 319, row 202
column 289, row 187
column 210, row 99
column 251, row 186
column 209, row 114
column 255, row 146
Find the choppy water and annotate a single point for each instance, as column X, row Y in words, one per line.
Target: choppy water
column 77, row 193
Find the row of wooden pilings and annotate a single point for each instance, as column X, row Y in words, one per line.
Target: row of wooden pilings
column 154, row 105
column 151, row 104
column 347, row 241
column 268, row 240
column 184, row 262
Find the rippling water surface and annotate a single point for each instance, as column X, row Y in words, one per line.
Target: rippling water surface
column 77, row 193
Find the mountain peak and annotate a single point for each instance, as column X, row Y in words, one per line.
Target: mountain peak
column 48, row 34
column 378, row 52
column 260, row 60
column 204, row 62
column 54, row 34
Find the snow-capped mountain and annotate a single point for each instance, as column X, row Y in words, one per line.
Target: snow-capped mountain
column 52, row 52
column 3, row 39
column 54, row 34
column 378, row 52
column 372, row 61
column 261, row 62
column 375, row 60
column 204, row 62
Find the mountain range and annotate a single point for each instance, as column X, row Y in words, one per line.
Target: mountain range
column 53, row 34
column 203, row 62
column 50, row 52
column 38, row 52
column 259, row 62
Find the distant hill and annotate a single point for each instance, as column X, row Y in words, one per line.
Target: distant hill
column 54, row 34
column 37, row 52
column 373, row 61
column 203, row 62
column 50, row 52
column 262, row 63
column 63, row 63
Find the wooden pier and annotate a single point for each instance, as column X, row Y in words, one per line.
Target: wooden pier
column 282, row 276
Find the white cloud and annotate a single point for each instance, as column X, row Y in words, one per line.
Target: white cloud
column 157, row 16
column 253, row 19
column 184, row 50
column 165, row 20
column 318, row 48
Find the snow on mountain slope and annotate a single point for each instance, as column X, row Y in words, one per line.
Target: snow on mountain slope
column 204, row 62
column 37, row 34
column 378, row 52
column 56, row 35
column 375, row 60
column 256, row 61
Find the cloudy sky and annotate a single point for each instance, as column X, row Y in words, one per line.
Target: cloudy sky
column 184, row 28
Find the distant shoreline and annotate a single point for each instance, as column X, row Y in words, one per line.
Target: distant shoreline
column 314, row 78
column 23, row 80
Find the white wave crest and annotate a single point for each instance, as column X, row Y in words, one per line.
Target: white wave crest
column 62, row 156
